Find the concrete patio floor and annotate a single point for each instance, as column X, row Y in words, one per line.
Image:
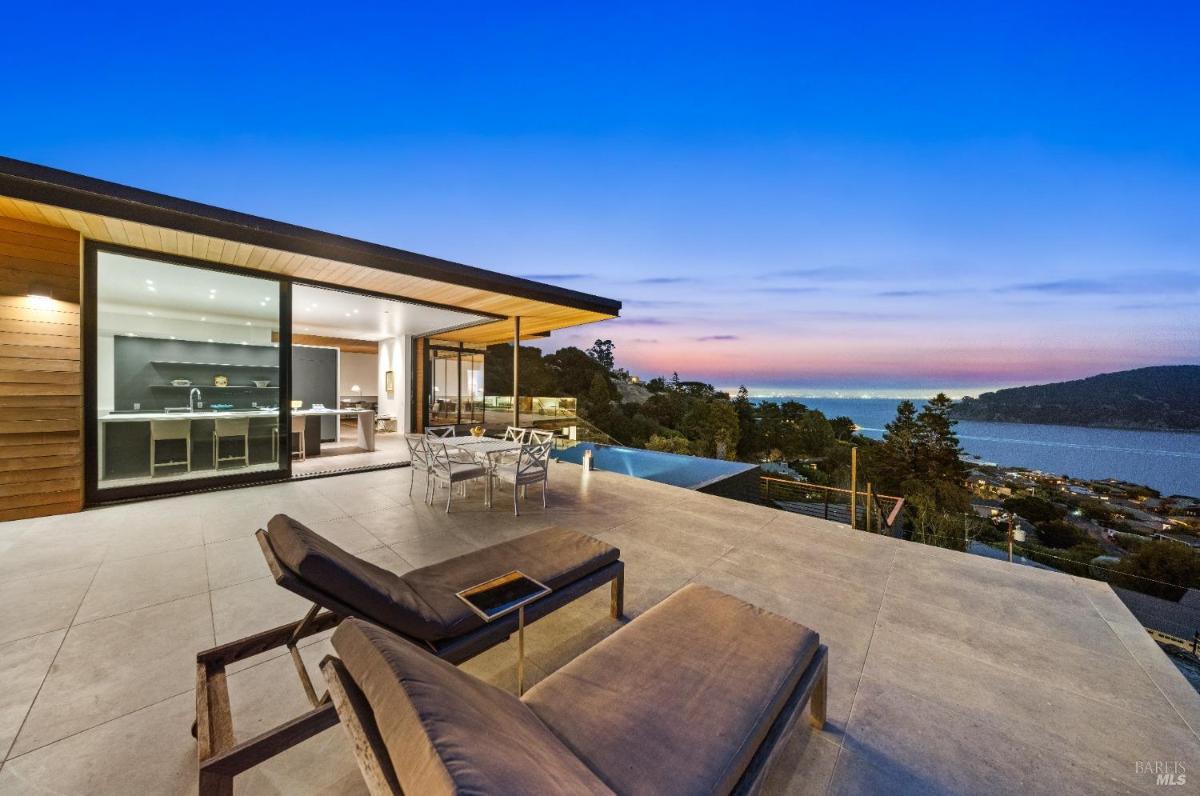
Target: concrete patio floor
column 948, row 673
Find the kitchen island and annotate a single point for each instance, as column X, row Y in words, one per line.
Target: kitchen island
column 124, row 437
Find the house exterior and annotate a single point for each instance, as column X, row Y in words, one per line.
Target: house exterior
column 119, row 306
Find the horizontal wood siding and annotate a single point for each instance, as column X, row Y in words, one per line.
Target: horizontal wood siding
column 41, row 387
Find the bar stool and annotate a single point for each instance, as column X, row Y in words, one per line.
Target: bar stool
column 225, row 428
column 298, row 426
column 170, row 430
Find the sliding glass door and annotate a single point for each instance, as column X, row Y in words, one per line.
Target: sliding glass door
column 185, row 375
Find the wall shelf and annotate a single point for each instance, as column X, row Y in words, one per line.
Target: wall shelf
column 208, row 387
column 212, row 364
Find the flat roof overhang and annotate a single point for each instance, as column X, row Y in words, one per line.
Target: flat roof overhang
column 118, row 214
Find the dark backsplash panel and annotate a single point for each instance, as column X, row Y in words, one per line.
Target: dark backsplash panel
column 142, row 376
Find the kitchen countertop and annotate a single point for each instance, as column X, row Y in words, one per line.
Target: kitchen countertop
column 204, row 414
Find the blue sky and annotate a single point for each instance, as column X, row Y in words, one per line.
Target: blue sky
column 876, row 199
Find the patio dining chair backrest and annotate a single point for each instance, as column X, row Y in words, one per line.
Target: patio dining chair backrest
column 514, row 434
column 533, row 464
column 439, row 431
column 418, row 450
column 536, row 436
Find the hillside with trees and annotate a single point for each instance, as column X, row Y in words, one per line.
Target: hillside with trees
column 1158, row 398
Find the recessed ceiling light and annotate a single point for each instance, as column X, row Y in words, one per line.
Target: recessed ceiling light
column 244, row 342
column 356, row 312
column 268, row 298
column 212, row 295
column 347, row 315
column 262, row 303
column 151, row 288
column 172, row 337
column 151, row 314
column 247, row 323
column 203, row 318
column 130, row 334
column 149, row 281
column 210, row 339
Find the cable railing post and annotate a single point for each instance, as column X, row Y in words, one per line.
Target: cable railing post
column 854, row 488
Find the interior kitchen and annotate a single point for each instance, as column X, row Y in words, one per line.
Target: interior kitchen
column 189, row 374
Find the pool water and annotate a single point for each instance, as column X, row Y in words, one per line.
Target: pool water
column 691, row 472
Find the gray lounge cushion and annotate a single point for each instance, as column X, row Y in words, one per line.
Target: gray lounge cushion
column 553, row 556
column 447, row 732
column 422, row 603
column 679, row 699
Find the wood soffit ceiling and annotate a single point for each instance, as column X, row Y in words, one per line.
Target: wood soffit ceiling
column 539, row 306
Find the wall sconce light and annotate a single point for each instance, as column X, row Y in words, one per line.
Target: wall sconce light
column 41, row 295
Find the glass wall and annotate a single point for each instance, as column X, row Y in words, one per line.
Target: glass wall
column 187, row 373
column 472, row 387
column 455, row 385
column 443, row 383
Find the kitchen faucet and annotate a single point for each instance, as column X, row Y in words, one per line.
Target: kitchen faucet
column 195, row 399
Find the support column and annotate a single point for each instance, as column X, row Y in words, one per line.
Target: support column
column 516, row 371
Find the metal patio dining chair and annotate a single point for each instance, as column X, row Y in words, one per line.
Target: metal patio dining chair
column 532, row 466
column 418, row 456
column 538, row 437
column 439, row 431
column 446, row 468
column 514, row 434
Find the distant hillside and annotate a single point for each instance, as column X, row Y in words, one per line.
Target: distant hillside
column 1157, row 399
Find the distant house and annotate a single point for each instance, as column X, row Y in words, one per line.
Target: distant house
column 1178, row 622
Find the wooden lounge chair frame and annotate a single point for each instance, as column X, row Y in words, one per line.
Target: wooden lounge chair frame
column 358, row 719
column 221, row 757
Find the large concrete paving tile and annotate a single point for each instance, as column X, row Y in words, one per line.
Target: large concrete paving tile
column 804, row 764
column 126, row 584
column 1094, row 736
column 42, row 553
column 347, row 534
column 24, row 665
column 806, row 579
column 117, row 665
column 251, row 607
column 432, row 548
column 899, row 742
column 156, row 532
column 1115, row 679
column 234, row 561
column 1043, row 603
column 36, row 604
column 150, row 750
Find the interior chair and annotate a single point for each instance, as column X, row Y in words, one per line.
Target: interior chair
column 446, row 468
column 231, row 428
column 299, row 422
column 170, row 430
column 418, row 456
column 532, row 466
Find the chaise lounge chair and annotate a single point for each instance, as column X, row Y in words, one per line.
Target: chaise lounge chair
column 420, row 608
column 693, row 697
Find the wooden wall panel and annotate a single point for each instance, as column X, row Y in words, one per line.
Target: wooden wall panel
column 419, row 385
column 41, row 387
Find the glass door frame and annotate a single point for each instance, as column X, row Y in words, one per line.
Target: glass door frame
column 94, row 494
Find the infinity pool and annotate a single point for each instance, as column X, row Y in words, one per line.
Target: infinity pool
column 691, row 472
